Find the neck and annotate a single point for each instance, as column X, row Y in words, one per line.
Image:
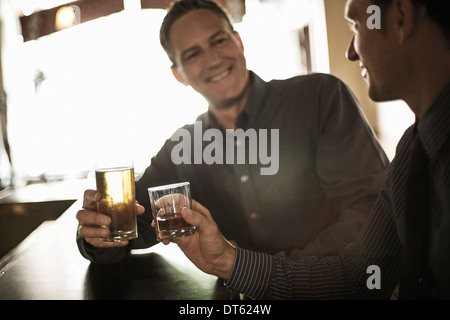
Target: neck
column 425, row 91
column 227, row 118
column 228, row 112
column 429, row 74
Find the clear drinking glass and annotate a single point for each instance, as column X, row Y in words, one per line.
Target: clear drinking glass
column 115, row 181
column 167, row 202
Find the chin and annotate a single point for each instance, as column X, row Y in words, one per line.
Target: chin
column 381, row 94
column 376, row 98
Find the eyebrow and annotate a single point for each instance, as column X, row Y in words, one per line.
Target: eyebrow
column 194, row 47
column 187, row 51
column 218, row 33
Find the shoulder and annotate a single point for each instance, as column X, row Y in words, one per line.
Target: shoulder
column 325, row 92
column 404, row 144
column 315, row 81
column 318, row 90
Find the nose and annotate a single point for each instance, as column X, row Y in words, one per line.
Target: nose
column 351, row 52
column 212, row 58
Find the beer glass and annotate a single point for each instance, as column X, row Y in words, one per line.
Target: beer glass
column 167, row 202
column 115, row 181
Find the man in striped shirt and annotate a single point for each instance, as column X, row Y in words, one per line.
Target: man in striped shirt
column 407, row 238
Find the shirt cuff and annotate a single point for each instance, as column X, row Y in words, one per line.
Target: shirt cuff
column 101, row 255
column 251, row 273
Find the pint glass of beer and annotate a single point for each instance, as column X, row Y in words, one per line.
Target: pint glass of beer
column 116, row 184
column 167, row 202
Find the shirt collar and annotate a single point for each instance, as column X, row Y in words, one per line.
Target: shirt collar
column 434, row 127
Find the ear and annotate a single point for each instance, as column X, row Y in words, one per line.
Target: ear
column 178, row 76
column 405, row 15
column 239, row 40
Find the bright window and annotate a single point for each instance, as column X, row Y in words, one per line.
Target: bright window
column 106, row 86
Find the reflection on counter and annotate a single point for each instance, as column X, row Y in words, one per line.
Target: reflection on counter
column 23, row 209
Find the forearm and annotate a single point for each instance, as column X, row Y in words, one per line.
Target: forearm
column 251, row 273
column 101, row 255
column 262, row 276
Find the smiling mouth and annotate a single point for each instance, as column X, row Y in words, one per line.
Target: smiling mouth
column 363, row 71
column 220, row 76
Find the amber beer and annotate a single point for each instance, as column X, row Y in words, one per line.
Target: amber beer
column 167, row 202
column 117, row 187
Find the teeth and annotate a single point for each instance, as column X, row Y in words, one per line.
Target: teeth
column 364, row 72
column 220, row 76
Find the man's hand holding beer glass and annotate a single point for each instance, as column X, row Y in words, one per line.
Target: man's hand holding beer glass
column 93, row 225
column 207, row 248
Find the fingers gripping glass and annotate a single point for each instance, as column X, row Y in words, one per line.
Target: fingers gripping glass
column 167, row 202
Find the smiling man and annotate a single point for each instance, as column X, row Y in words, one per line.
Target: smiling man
column 211, row 62
column 330, row 164
column 406, row 240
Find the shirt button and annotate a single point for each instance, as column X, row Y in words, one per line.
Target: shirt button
column 244, row 178
column 253, row 215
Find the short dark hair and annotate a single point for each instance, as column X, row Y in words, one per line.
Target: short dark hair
column 180, row 8
column 437, row 10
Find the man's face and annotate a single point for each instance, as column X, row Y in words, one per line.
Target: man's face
column 209, row 57
column 376, row 51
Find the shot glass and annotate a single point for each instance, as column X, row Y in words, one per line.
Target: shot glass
column 117, row 186
column 167, row 202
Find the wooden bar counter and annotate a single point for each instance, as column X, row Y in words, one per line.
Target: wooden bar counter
column 48, row 266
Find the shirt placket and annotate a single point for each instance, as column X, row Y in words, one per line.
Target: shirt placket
column 243, row 174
